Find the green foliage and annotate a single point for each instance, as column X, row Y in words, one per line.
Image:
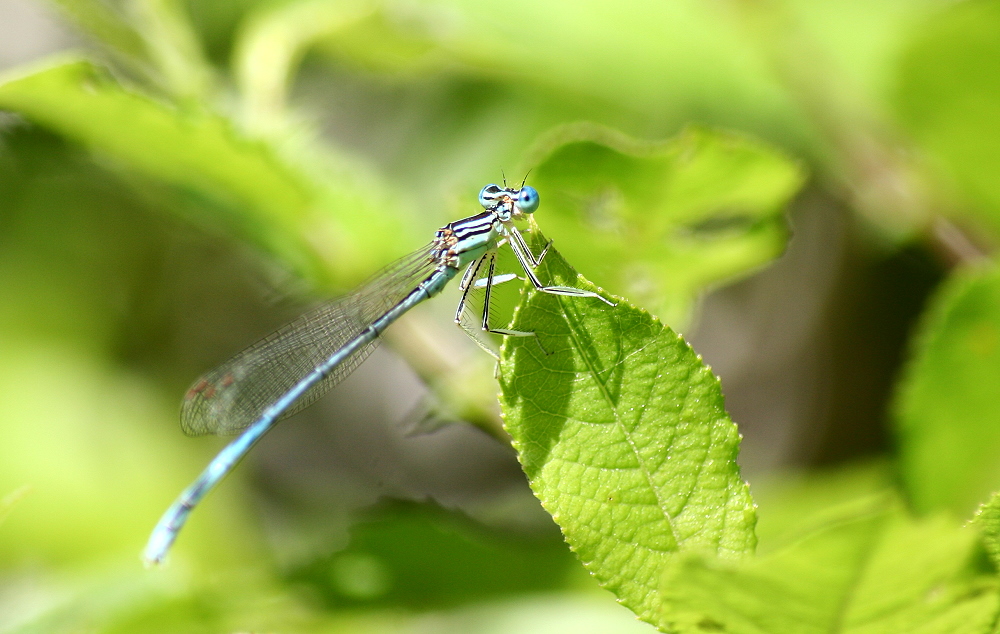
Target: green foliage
column 987, row 520
column 686, row 214
column 622, row 433
column 667, row 140
column 418, row 556
column 258, row 197
column 950, row 100
column 947, row 419
column 870, row 570
column 9, row 500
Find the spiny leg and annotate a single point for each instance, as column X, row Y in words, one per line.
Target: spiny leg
column 529, row 263
column 466, row 286
column 488, row 283
column 470, row 273
column 521, row 242
column 473, row 269
column 486, row 310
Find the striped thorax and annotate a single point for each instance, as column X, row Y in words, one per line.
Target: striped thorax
column 463, row 241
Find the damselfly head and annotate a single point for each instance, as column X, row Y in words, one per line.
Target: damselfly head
column 517, row 201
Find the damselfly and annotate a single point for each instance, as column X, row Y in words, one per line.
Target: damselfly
column 293, row 367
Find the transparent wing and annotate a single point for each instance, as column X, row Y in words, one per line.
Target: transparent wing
column 235, row 394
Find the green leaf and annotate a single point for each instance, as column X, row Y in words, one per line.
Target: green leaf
column 796, row 503
column 272, row 44
column 173, row 46
column 622, row 433
column 153, row 38
column 665, row 60
column 421, row 556
column 949, row 97
column 98, row 20
column 987, row 519
column 946, row 414
column 9, row 500
column 873, row 571
column 255, row 194
column 380, row 44
column 663, row 221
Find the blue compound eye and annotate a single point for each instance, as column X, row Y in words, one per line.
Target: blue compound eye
column 527, row 200
column 488, row 195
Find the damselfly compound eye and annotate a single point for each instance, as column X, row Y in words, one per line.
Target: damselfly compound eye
column 527, row 200
column 488, row 195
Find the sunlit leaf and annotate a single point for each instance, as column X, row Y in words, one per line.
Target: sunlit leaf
column 311, row 227
column 948, row 98
column 871, row 571
column 987, row 520
column 8, row 501
column 622, row 433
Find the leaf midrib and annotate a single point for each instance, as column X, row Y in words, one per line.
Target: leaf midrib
column 851, row 589
column 661, row 504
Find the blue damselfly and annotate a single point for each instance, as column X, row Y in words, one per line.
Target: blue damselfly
column 290, row 369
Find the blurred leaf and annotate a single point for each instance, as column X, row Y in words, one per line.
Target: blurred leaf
column 949, row 97
column 578, row 613
column 153, row 37
column 122, row 598
column 622, row 433
column 654, row 57
column 987, row 519
column 96, row 19
column 130, row 601
column 386, row 42
column 663, row 221
column 871, row 572
column 309, row 227
column 271, row 46
column 855, row 43
column 217, row 22
column 946, row 415
column 173, row 46
column 8, row 501
column 646, row 68
column 83, row 422
column 423, row 557
column 795, row 503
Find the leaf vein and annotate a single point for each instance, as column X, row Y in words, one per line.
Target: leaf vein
column 661, row 504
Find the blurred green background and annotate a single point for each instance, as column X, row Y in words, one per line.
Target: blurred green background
column 179, row 178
